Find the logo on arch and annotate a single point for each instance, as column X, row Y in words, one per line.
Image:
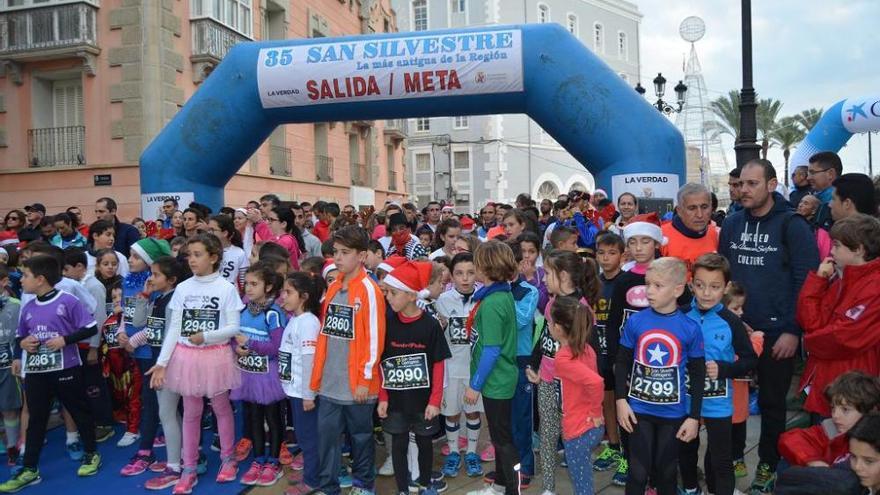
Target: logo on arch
column 659, row 348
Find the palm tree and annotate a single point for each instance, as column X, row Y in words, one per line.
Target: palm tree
column 766, row 115
column 809, row 117
column 726, row 110
column 787, row 134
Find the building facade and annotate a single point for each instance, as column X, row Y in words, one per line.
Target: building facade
column 85, row 85
column 473, row 160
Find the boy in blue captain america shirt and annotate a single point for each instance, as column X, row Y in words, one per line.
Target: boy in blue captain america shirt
column 658, row 346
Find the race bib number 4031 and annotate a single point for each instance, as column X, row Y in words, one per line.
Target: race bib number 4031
column 339, row 321
column 406, row 372
column 655, row 385
column 253, row 363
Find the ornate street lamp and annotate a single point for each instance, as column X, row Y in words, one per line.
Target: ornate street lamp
column 660, row 89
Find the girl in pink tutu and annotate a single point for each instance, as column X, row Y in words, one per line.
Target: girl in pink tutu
column 262, row 325
column 196, row 359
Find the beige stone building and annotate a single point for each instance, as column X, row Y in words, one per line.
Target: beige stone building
column 85, row 85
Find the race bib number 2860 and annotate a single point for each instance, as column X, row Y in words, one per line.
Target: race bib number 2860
column 339, row 321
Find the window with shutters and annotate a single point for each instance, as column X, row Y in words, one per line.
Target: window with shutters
column 58, row 136
column 423, row 174
column 67, row 103
column 235, row 14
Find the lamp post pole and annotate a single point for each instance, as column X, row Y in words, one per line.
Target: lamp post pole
column 660, row 89
column 746, row 147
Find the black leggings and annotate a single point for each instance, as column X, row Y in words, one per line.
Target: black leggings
column 270, row 414
column 399, row 457
column 498, row 415
column 738, row 440
column 717, row 463
column 653, row 450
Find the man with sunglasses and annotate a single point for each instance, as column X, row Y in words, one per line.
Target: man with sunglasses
column 825, row 167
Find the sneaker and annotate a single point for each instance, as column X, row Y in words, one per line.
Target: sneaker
column 294, row 478
column 166, row 479
column 379, row 436
column 488, row 454
column 620, row 475
column 452, row 464
column 228, row 471
column 345, row 480
column 298, row 464
column 739, row 468
column 184, row 486
column 444, row 450
column 607, row 459
column 764, row 481
column 90, row 464
column 159, row 441
column 435, row 487
column 207, row 421
column 414, row 487
column 689, row 491
column 12, row 455
column 285, row 457
column 158, row 466
column 489, row 478
column 128, row 439
column 215, row 444
column 299, row 489
column 272, row 472
column 104, row 433
column 19, row 465
column 486, row 490
column 387, row 468
column 24, row 478
column 242, row 449
column 253, row 474
column 524, row 481
column 650, row 490
column 75, row 451
column 472, row 464
column 137, row 465
column 360, row 491
column 437, row 476
column 202, row 465
column 346, row 450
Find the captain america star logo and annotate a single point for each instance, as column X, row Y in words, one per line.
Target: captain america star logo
column 659, row 348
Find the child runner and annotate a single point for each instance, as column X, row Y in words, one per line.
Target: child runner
column 102, row 235
column 48, row 330
column 864, row 450
column 235, row 260
column 196, row 359
column 581, row 389
column 566, row 275
column 728, row 354
column 345, row 373
column 262, row 324
column 454, row 306
column 10, row 388
column 302, row 297
column 492, row 333
column 609, row 256
column 657, row 347
column 412, row 374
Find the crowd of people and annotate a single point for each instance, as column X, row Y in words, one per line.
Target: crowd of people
column 584, row 332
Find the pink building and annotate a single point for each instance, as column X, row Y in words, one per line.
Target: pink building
column 86, row 84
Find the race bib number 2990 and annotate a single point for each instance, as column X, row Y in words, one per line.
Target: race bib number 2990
column 339, row 321
column 406, row 372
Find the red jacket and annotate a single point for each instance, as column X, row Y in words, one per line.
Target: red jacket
column 321, row 230
column 841, row 323
column 816, row 443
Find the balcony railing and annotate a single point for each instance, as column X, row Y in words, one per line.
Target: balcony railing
column 280, row 161
column 323, row 168
column 57, row 146
column 359, row 174
column 48, row 28
column 211, row 41
column 392, row 179
column 396, row 128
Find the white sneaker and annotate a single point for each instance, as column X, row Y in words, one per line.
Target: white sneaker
column 488, row 490
column 128, row 439
column 547, row 492
column 387, row 468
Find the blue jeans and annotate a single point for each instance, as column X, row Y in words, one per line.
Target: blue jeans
column 521, row 421
column 357, row 421
column 578, row 452
column 306, row 424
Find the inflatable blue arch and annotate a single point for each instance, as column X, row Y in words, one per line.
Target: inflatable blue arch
column 540, row 70
column 837, row 126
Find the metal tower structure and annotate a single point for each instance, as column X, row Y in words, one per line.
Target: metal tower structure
column 696, row 120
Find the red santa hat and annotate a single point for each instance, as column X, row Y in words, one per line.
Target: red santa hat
column 411, row 276
column 391, row 263
column 648, row 225
column 329, row 266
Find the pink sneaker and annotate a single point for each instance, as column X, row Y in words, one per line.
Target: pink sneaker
column 298, row 463
column 167, row 479
column 137, row 465
column 228, row 471
column 294, row 477
column 488, row 454
column 159, row 441
column 252, row 476
column 243, row 449
column 158, row 466
column 188, row 479
column 462, row 446
column 271, row 474
column 299, row 489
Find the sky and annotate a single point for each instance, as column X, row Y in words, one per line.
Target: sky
column 805, row 53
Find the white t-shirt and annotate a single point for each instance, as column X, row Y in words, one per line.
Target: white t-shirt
column 122, row 270
column 208, row 304
column 451, row 306
column 299, row 340
column 235, row 263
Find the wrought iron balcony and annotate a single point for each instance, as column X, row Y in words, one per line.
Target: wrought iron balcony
column 280, row 161
column 323, row 168
column 57, row 146
column 359, row 174
column 49, row 32
column 211, row 40
column 395, row 128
